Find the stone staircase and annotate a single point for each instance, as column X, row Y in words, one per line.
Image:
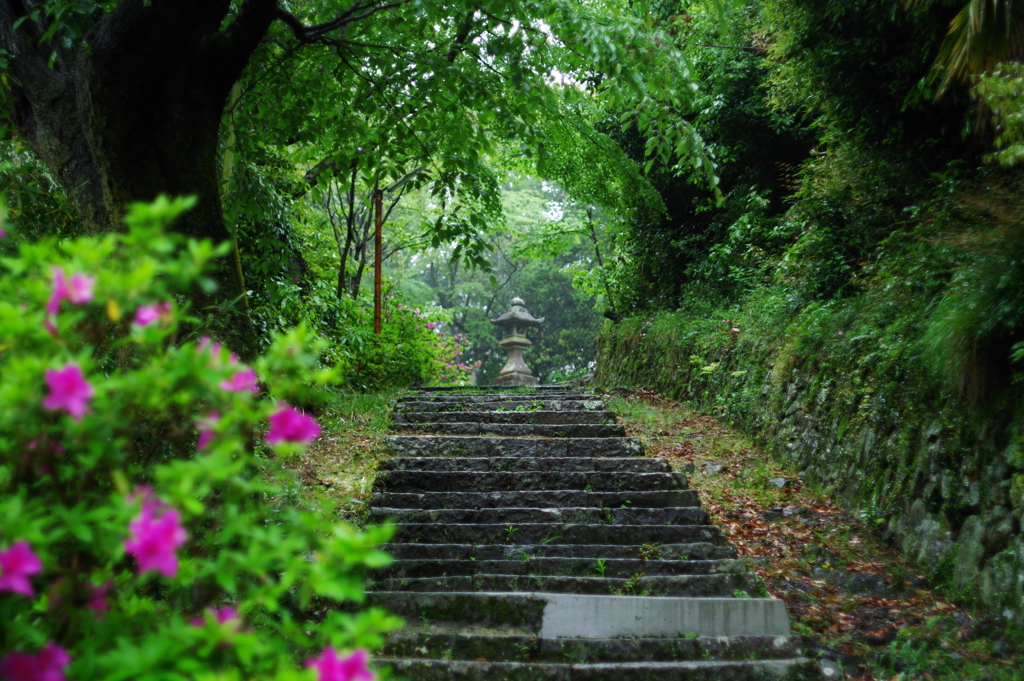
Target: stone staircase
column 535, row 542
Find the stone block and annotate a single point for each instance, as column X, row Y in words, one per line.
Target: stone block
column 970, row 552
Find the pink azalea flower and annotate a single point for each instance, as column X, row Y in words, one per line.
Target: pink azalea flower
column 154, row 538
column 46, row 665
column 2, row 233
column 329, row 667
column 291, row 425
column 206, row 426
column 77, row 289
column 16, row 564
column 150, row 504
column 98, row 597
column 68, row 391
column 241, row 381
column 222, row 615
column 147, row 314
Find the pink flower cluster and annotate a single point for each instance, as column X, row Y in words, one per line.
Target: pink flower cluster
column 206, row 428
column 77, row 290
column 147, row 314
column 46, row 665
column 68, row 391
column 220, row 615
column 330, row 667
column 291, row 425
column 17, row 564
column 155, row 535
column 241, row 381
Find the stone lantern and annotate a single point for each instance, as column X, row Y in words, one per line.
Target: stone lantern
column 514, row 323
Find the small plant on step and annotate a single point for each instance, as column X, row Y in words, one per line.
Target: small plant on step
column 601, row 567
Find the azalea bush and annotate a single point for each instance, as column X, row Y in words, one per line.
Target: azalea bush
column 411, row 349
column 450, row 365
column 147, row 528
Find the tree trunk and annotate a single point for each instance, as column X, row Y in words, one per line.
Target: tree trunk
column 136, row 113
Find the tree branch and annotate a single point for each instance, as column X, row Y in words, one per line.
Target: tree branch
column 461, row 36
column 309, row 34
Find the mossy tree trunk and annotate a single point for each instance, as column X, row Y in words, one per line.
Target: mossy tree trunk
column 134, row 110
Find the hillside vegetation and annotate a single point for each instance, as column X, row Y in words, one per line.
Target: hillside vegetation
column 856, row 302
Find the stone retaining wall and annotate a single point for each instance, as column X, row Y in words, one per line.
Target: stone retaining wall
column 944, row 481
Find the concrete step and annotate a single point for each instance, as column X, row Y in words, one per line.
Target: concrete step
column 479, row 446
column 623, row 568
column 583, row 552
column 425, row 481
column 515, row 417
column 573, row 430
column 558, row 498
column 800, row 669
column 562, row 464
column 522, row 403
column 672, row 515
column 512, row 648
column 552, row 616
column 555, row 533
column 695, row 586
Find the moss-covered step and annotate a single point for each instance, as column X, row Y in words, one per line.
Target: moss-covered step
column 589, row 552
column 521, row 403
column 509, row 464
column 800, row 669
column 538, row 417
column 517, row 429
column 557, row 498
column 576, row 567
column 493, row 446
column 671, row 515
column 424, row 481
column 552, row 615
column 519, row 648
column 500, row 396
column 554, row 533
column 695, row 586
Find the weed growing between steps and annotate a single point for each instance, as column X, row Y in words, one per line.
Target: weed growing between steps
column 842, row 585
column 343, row 460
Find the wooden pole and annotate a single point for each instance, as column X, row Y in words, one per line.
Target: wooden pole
column 378, row 201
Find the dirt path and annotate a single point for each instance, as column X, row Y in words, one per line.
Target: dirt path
column 841, row 583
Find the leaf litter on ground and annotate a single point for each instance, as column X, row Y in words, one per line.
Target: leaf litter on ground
column 862, row 602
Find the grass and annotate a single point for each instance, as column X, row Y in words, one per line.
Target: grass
column 343, row 460
column 842, row 585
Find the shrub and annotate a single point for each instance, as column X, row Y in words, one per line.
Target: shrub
column 145, row 529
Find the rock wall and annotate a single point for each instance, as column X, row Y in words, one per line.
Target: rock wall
column 943, row 480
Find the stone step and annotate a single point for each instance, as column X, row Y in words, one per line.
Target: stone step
column 477, row 446
column 425, row 481
column 555, row 533
column 526, row 402
column 489, row 396
column 512, row 417
column 586, row 552
column 624, row 568
column 573, row 430
column 799, row 669
column 550, row 615
column 558, row 498
column 695, row 586
column 508, row 464
column 670, row 515
column 512, row 648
